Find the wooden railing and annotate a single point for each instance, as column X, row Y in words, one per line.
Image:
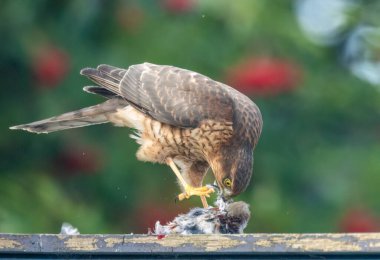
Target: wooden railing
column 249, row 246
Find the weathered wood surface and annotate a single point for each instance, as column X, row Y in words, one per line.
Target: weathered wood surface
column 364, row 244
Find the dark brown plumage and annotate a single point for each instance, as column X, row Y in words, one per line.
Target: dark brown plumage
column 181, row 117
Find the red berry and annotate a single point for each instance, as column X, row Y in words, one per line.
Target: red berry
column 50, row 66
column 359, row 220
column 178, row 6
column 78, row 159
column 264, row 75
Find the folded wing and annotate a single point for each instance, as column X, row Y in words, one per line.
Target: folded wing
column 168, row 94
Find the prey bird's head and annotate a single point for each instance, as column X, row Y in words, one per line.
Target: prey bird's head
column 233, row 169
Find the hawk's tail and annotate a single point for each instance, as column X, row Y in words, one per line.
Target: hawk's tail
column 97, row 114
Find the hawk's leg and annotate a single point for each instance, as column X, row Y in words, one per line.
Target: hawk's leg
column 203, row 192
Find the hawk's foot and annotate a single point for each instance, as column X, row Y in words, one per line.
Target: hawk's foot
column 197, row 191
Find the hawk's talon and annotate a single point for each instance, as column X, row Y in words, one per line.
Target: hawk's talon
column 195, row 191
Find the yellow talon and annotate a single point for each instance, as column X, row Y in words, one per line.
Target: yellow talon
column 197, row 191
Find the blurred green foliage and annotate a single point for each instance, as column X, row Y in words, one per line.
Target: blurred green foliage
column 317, row 160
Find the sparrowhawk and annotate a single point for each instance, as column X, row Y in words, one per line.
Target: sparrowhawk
column 181, row 118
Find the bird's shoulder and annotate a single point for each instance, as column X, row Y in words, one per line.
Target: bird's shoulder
column 176, row 96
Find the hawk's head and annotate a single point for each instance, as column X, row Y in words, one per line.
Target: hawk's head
column 233, row 169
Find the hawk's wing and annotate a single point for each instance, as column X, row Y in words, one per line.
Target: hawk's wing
column 168, row 94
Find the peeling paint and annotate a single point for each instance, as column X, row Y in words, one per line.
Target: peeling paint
column 208, row 243
column 374, row 244
column 112, row 242
column 324, row 245
column 247, row 243
column 321, row 243
column 263, row 243
column 9, row 244
column 364, row 236
column 81, row 243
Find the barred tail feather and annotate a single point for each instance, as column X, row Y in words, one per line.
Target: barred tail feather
column 87, row 116
column 51, row 125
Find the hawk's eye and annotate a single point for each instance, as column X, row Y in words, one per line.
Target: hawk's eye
column 227, row 182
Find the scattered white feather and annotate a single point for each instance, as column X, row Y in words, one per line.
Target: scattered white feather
column 68, row 229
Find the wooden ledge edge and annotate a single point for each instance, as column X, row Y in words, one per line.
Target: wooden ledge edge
column 246, row 243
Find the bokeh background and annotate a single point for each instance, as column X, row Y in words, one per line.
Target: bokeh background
column 312, row 66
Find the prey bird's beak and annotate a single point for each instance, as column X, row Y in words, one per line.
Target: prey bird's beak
column 225, row 197
column 220, row 191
